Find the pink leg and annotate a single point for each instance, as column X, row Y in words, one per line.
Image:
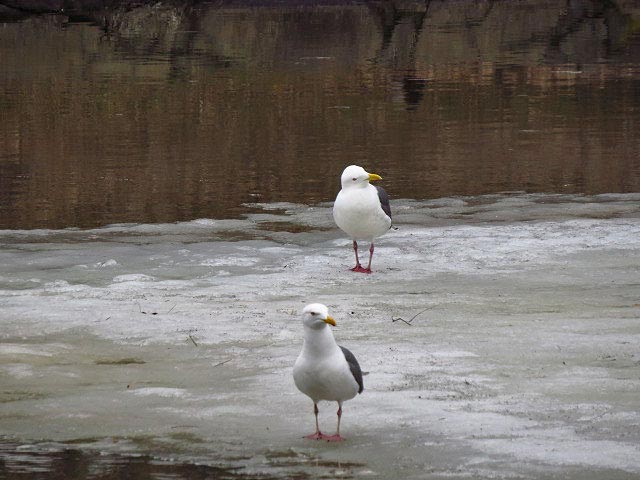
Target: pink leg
column 358, row 267
column 318, row 435
column 368, row 269
column 355, row 250
column 336, row 437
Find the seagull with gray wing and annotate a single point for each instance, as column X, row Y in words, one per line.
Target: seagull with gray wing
column 324, row 370
column 361, row 210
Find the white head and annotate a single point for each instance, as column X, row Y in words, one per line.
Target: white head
column 354, row 175
column 316, row 316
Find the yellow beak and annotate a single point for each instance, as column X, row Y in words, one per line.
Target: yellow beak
column 330, row 321
column 373, row 176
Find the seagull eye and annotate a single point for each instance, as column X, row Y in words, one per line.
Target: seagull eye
column 314, row 313
column 354, row 179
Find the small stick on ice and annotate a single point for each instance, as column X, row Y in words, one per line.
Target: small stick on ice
column 222, row 363
column 408, row 322
column 194, row 342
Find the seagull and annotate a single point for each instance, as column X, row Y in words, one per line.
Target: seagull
column 361, row 210
column 324, row 370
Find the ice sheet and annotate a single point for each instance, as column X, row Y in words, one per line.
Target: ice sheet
column 178, row 340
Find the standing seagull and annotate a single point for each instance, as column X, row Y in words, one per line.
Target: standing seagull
column 323, row 370
column 361, row 210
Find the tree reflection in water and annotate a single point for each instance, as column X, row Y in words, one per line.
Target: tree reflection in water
column 175, row 111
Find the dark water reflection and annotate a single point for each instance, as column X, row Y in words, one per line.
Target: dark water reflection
column 31, row 463
column 174, row 112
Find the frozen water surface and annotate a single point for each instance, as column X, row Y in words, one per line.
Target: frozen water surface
column 176, row 341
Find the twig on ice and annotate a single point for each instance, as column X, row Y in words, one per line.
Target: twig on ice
column 408, row 322
column 222, row 363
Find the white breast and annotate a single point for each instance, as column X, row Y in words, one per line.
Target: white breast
column 358, row 213
column 324, row 378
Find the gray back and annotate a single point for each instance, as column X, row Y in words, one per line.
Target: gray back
column 384, row 200
column 354, row 366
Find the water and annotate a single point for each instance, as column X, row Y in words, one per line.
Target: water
column 198, row 147
column 176, row 112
